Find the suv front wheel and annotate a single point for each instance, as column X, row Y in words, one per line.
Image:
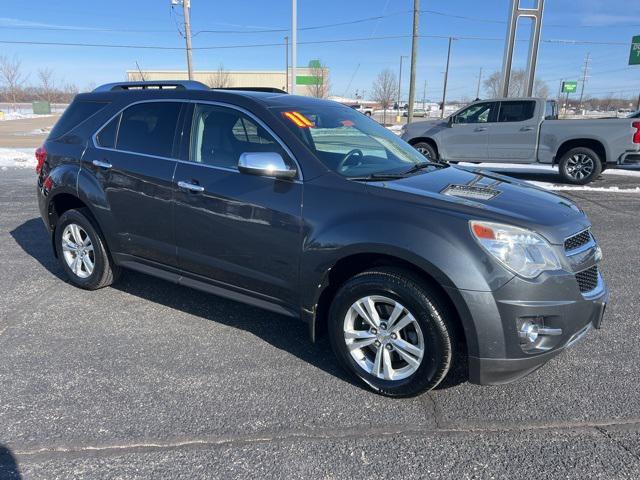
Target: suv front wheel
column 82, row 251
column 390, row 330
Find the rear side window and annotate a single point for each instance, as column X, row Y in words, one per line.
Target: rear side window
column 149, row 128
column 550, row 110
column 74, row 115
column 107, row 136
column 516, row 111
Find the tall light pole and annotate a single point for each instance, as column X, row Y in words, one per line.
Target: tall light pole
column 294, row 43
column 414, row 55
column 585, row 72
column 400, row 85
column 479, row 82
column 186, row 8
column 446, row 78
column 286, row 64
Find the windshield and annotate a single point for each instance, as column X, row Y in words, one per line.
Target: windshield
column 350, row 143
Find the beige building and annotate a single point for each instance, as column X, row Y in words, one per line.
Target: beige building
column 310, row 81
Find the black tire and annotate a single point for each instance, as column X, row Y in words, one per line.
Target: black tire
column 368, row 114
column 104, row 271
column 580, row 166
column 427, row 307
column 427, row 150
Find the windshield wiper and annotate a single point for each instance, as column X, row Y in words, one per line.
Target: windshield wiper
column 378, row 176
column 422, row 165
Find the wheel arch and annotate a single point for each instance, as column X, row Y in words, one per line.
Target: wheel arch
column 354, row 263
column 428, row 140
column 596, row 145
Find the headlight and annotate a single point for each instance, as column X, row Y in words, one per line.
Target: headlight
column 522, row 251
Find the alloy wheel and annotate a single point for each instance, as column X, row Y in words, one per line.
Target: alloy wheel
column 383, row 337
column 425, row 152
column 77, row 250
column 579, row 166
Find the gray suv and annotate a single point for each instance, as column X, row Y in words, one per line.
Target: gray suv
column 308, row 208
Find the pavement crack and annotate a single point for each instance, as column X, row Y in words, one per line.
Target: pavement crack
column 434, row 410
column 621, row 444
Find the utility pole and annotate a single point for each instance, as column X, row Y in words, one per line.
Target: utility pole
column 186, row 8
column 479, row 82
column 414, row 55
column 446, row 78
column 286, row 64
column 294, row 43
column 585, row 71
column 400, row 86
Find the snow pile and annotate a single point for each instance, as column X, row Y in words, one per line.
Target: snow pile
column 584, row 188
column 17, row 157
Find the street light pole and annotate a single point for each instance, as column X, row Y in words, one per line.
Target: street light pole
column 294, row 43
column 400, row 85
column 286, row 64
column 479, row 82
column 446, row 78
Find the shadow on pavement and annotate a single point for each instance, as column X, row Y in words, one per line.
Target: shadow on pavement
column 282, row 332
column 8, row 465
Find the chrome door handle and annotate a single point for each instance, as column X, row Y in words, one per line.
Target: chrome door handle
column 526, row 129
column 191, row 186
column 100, row 164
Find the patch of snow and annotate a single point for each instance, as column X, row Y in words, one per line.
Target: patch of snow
column 584, row 188
column 19, row 116
column 17, row 157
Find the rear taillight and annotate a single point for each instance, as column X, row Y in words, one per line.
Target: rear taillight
column 636, row 135
column 41, row 156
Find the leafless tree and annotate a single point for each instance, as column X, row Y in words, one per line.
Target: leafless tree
column 320, row 86
column 385, row 89
column 47, row 89
column 516, row 85
column 220, row 79
column 11, row 78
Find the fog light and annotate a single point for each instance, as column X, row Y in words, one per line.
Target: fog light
column 528, row 333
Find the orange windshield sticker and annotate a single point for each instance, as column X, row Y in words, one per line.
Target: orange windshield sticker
column 298, row 119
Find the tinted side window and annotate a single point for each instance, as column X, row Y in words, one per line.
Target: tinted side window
column 220, row 135
column 107, row 136
column 516, row 111
column 149, row 128
column 74, row 115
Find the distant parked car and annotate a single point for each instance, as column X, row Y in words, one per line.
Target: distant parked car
column 634, row 115
column 368, row 111
column 418, row 112
column 527, row 130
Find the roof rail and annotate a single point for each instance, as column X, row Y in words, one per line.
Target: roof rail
column 155, row 85
column 253, row 89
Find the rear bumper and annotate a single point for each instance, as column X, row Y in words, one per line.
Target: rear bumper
column 630, row 158
column 499, row 358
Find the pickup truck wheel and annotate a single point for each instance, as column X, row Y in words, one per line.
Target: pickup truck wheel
column 427, row 150
column 368, row 114
column 580, row 166
column 82, row 251
column 390, row 330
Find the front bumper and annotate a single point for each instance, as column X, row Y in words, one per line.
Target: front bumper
column 496, row 357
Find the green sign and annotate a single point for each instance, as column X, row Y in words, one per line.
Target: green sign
column 569, row 87
column 308, row 80
column 634, row 55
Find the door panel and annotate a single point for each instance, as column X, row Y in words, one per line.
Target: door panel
column 132, row 164
column 515, row 136
column 468, row 135
column 240, row 230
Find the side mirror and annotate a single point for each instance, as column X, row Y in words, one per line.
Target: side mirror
column 266, row 164
column 451, row 120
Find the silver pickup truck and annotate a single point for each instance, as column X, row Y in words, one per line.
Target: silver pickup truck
column 527, row 130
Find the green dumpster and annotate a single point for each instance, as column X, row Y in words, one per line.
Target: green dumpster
column 41, row 108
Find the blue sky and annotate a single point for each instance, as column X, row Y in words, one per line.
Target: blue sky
column 353, row 64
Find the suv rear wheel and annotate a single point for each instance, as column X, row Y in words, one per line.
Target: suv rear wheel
column 389, row 329
column 427, row 150
column 82, row 251
column 580, row 166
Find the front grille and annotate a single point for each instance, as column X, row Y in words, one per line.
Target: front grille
column 577, row 240
column 587, row 279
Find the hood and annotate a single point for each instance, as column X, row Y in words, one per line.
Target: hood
column 489, row 196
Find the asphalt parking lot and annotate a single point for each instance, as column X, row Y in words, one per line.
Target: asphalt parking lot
column 146, row 379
